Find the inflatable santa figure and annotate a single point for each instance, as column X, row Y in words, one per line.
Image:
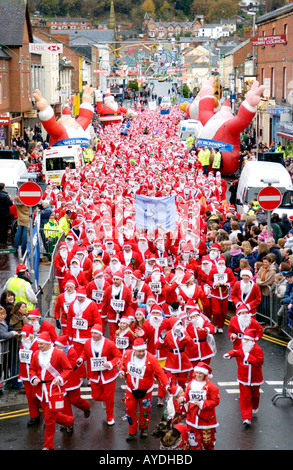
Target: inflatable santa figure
column 111, row 112
column 224, row 127
column 67, row 130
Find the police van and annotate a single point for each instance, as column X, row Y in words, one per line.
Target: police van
column 187, row 127
column 56, row 159
column 255, row 176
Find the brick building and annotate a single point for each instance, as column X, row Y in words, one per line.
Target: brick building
column 275, row 69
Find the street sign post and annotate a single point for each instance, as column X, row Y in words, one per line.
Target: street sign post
column 30, row 194
column 269, row 198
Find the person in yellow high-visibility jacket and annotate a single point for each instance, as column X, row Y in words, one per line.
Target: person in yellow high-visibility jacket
column 217, row 159
column 22, row 288
column 204, row 158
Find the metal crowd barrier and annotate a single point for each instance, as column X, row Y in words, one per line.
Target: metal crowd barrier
column 9, row 364
column 287, row 391
column 47, row 290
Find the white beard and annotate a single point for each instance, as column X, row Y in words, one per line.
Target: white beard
column 36, row 326
column 206, row 269
column 247, row 346
column 142, row 247
column 213, row 255
column 245, row 287
column 156, row 323
column 115, row 267
column 100, row 283
column 156, row 277
column 74, row 271
column 198, row 322
column 244, row 321
column 221, row 269
column 45, row 356
column 63, row 254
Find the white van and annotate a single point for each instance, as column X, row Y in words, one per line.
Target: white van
column 187, row 127
column 56, row 159
column 13, row 173
column 251, row 181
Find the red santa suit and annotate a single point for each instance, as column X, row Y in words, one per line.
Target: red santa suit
column 75, row 273
column 111, row 113
column 95, row 290
column 140, row 376
column 224, row 127
column 73, row 384
column 220, row 279
column 80, row 319
column 200, row 330
column 250, row 359
column 71, row 133
column 85, row 263
column 246, row 293
column 28, row 346
column 202, row 398
column 62, row 304
column 115, row 304
column 62, row 264
column 177, row 363
column 239, row 323
column 102, row 378
column 47, row 366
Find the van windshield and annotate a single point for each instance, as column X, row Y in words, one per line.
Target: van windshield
column 57, row 163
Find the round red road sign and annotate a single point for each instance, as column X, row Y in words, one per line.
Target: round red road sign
column 269, row 198
column 30, row 194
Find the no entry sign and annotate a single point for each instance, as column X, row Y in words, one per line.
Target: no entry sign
column 269, row 198
column 30, row 194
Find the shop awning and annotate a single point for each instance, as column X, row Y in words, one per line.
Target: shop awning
column 286, row 136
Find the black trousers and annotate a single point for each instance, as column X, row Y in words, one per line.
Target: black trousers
column 4, row 222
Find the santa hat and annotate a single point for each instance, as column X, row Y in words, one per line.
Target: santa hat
column 216, row 246
column 97, row 328
column 139, row 344
column 66, row 111
column 137, row 274
column 108, row 98
column 76, row 223
column 71, row 282
column 62, row 341
column 174, row 321
column 203, row 368
column 27, row 330
column 97, row 272
column 140, row 310
column 187, row 277
column 195, row 311
column 45, row 337
column 81, row 291
column 249, row 334
column 119, row 274
column 20, row 268
column 246, row 272
column 34, row 313
column 125, row 320
column 241, row 308
column 156, row 308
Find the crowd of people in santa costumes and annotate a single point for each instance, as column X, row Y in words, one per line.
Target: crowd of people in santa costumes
column 148, row 303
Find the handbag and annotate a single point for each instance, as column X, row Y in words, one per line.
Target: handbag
column 56, row 400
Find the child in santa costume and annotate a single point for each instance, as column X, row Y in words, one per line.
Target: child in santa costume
column 67, row 130
column 250, row 359
column 202, row 397
column 111, row 113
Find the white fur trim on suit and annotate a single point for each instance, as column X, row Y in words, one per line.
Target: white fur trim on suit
column 46, row 114
column 248, row 106
column 88, row 106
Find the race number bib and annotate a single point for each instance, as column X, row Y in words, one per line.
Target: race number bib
column 97, row 363
column 220, row 278
column 79, row 323
column 118, row 305
column 135, row 371
column 97, row 296
column 140, row 297
column 197, row 395
column 25, row 356
column 122, row 342
column 156, row 287
column 163, row 262
column 66, row 306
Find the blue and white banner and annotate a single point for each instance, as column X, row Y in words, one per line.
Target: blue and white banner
column 36, row 255
column 82, row 141
column 215, row 144
column 153, row 211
